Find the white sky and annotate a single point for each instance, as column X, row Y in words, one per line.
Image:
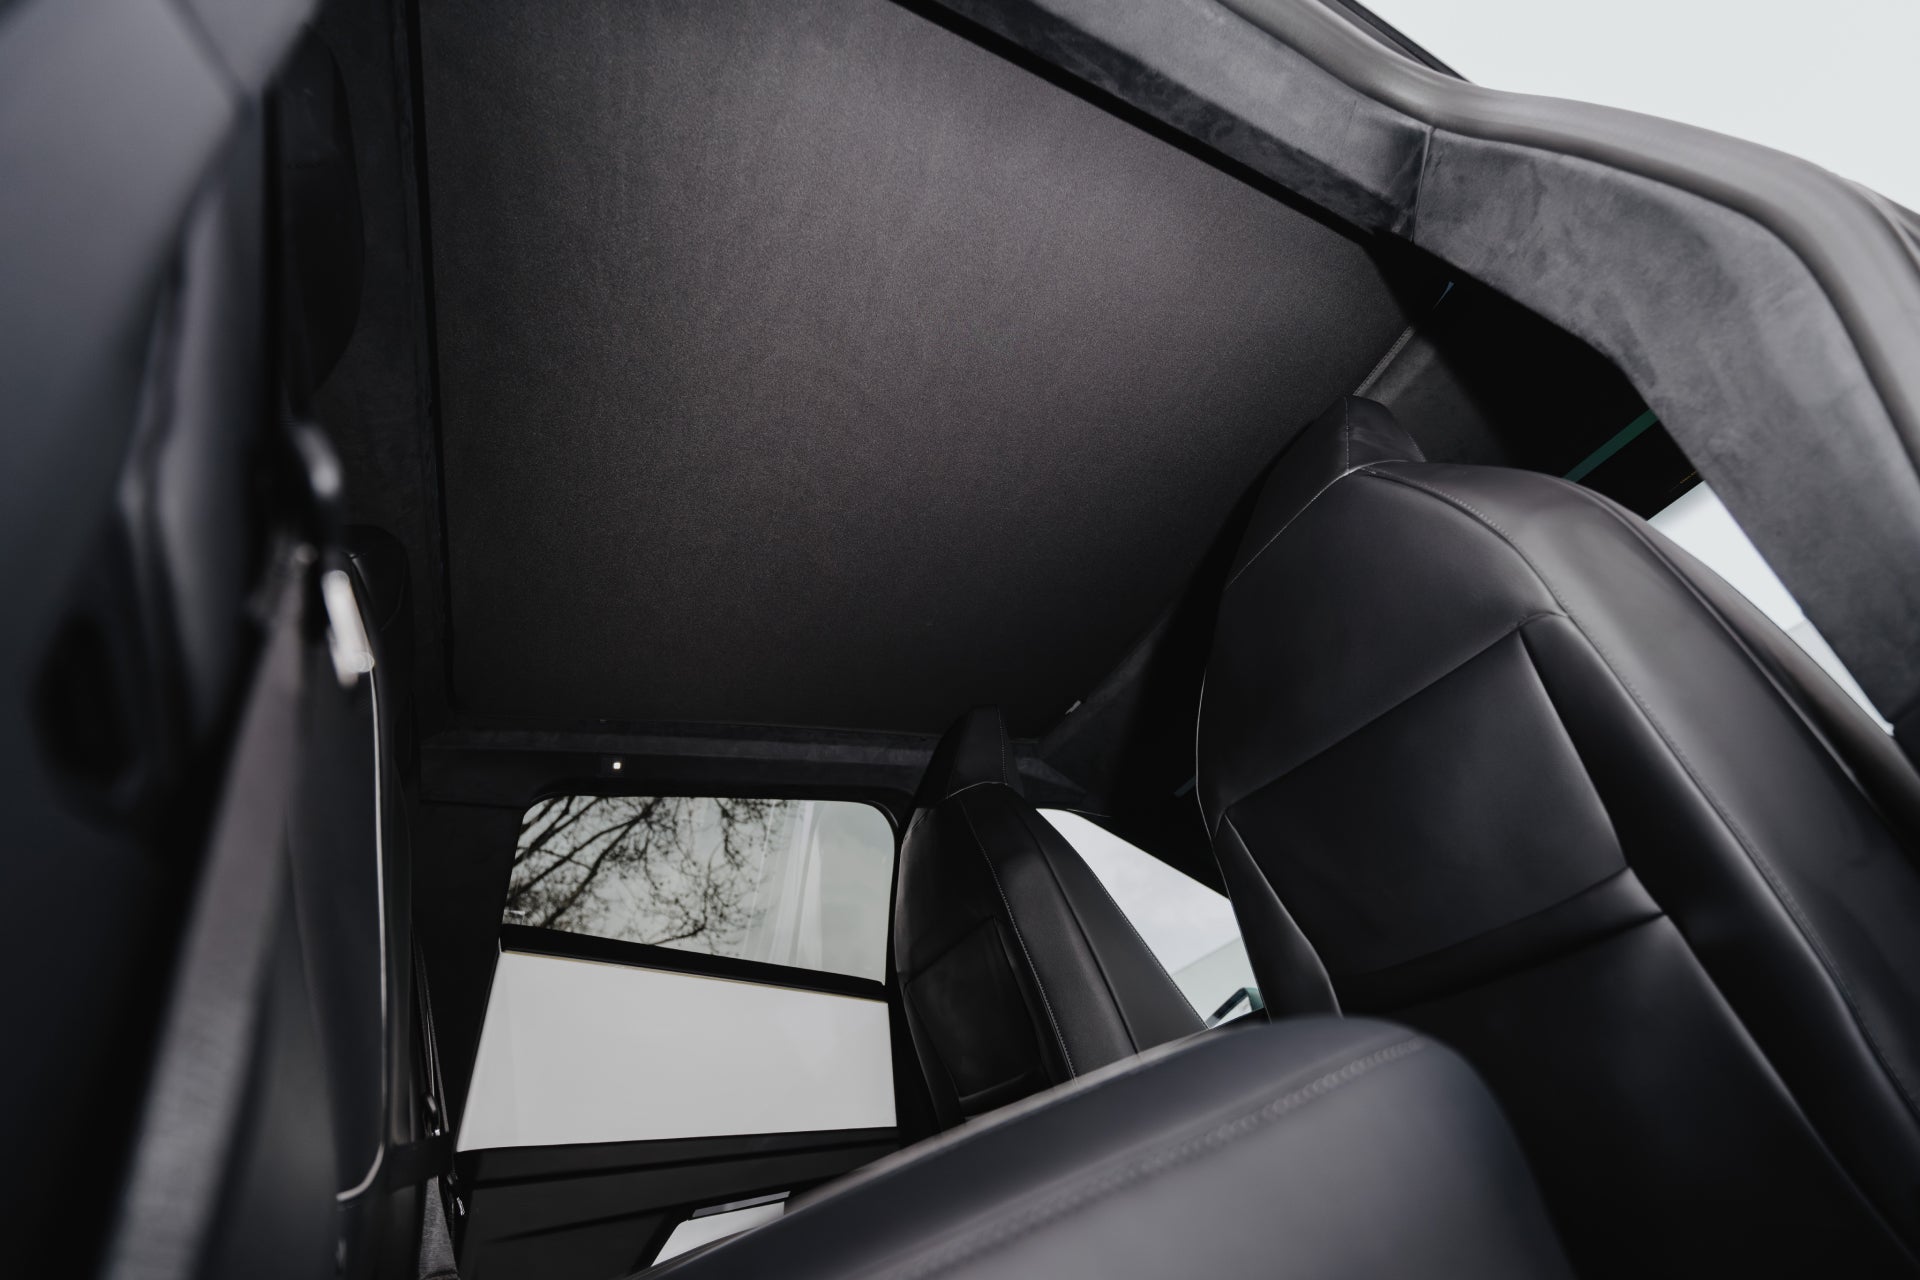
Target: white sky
column 1833, row 82
column 1179, row 918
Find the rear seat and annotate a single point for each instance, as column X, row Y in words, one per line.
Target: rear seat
column 1017, row 971
column 1318, row 1147
column 1121, row 1142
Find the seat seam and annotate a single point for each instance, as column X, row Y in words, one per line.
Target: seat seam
column 1095, row 951
column 1266, row 882
column 1131, row 928
column 1734, row 828
column 931, row 1059
column 1304, row 508
column 1106, row 979
column 1511, row 630
column 973, row 1128
column 1018, row 937
column 1778, row 681
column 920, row 970
column 1075, row 1197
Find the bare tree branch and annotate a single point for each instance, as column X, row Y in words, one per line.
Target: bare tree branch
column 660, row 870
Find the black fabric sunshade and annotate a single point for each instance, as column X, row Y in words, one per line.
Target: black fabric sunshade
column 807, row 363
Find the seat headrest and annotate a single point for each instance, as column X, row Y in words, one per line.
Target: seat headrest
column 973, row 750
column 1351, row 434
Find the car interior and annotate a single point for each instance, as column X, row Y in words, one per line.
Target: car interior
column 966, row 638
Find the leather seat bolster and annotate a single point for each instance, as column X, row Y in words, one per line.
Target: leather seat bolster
column 1353, row 433
column 1109, row 994
column 1467, row 721
column 1319, row 1148
column 1016, row 968
column 1766, row 797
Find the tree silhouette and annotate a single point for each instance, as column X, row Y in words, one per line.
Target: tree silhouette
column 666, row 870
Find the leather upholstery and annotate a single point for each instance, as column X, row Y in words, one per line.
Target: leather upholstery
column 1485, row 751
column 1016, row 969
column 1321, row 1148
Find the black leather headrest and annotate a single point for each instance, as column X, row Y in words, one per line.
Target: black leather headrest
column 974, row 750
column 1353, row 433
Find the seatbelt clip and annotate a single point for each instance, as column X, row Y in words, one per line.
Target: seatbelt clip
column 346, row 632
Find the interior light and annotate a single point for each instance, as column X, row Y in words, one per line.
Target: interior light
column 616, row 764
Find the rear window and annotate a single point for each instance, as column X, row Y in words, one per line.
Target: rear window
column 800, row 883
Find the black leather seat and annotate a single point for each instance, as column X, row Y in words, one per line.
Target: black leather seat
column 1016, row 969
column 1323, row 1149
column 1482, row 750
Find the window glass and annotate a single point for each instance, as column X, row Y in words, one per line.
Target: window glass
column 579, row 1050
column 1189, row 928
column 789, row 882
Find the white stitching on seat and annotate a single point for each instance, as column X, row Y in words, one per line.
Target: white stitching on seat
column 1289, row 524
column 993, row 1121
column 1513, row 629
column 1015, row 926
column 1102, row 1185
column 1734, row 829
column 1106, row 893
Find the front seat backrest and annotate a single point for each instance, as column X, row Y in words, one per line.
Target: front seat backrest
column 1483, row 751
column 1320, row 1149
column 1016, row 969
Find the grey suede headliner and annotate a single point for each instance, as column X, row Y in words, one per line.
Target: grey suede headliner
column 1769, row 314
column 810, row 364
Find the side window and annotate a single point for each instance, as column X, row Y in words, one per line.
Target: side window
column 678, row 967
column 802, row 883
column 1189, row 928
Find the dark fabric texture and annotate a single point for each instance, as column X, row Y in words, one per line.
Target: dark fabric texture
column 1760, row 304
column 1016, row 969
column 1323, row 1149
column 974, row 750
column 809, row 364
column 1530, row 778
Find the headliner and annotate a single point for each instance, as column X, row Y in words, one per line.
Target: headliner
column 811, row 364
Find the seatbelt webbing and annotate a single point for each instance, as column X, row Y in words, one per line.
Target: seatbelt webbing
column 1620, row 440
column 198, row 1087
column 436, row 1239
column 436, row 1244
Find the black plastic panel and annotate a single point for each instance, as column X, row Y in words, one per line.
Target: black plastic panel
column 602, row 1210
column 582, row 946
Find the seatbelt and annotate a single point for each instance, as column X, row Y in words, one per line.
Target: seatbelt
column 436, row 1247
column 196, row 1097
column 429, row 1159
column 441, row 1204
